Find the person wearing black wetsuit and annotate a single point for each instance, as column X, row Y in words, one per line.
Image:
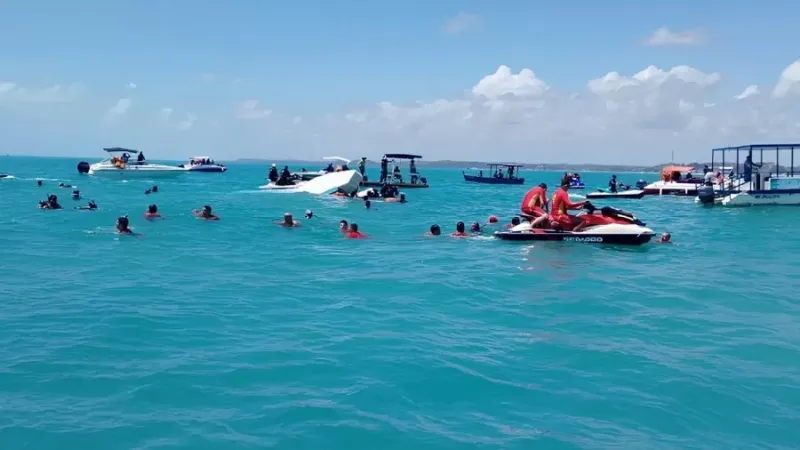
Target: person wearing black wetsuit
column 612, row 184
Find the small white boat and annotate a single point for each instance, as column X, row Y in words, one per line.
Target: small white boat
column 118, row 167
column 306, row 176
column 631, row 193
column 347, row 181
column 203, row 164
column 666, row 186
column 287, row 187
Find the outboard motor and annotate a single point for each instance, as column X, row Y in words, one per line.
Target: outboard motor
column 83, row 167
column 705, row 194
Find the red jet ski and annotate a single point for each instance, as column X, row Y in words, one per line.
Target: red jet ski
column 606, row 225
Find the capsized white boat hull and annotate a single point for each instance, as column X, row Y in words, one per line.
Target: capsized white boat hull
column 275, row 187
column 347, row 181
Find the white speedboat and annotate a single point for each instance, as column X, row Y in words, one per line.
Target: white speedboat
column 306, row 176
column 117, row 166
column 203, row 164
column 347, row 181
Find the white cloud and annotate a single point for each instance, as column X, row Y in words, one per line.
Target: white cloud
column 120, row 108
column 248, row 110
column 749, row 91
column 663, row 36
column 165, row 114
column 131, row 86
column 789, row 81
column 462, row 23
column 188, row 122
column 13, row 92
column 504, row 83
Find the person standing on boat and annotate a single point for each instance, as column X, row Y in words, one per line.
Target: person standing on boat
column 412, row 169
column 612, row 184
column 748, row 167
column 140, row 159
column 510, row 172
column 362, row 165
column 384, row 169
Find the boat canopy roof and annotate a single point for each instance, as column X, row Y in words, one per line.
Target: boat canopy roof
column 673, row 168
column 504, row 165
column 200, row 157
column 120, row 150
column 402, row 156
column 758, row 147
column 336, row 158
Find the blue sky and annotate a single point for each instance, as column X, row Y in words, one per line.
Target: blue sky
column 316, row 59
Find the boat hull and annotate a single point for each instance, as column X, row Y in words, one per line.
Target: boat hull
column 761, row 198
column 397, row 185
column 217, row 169
column 135, row 172
column 632, row 194
column 589, row 236
column 671, row 188
column 493, row 180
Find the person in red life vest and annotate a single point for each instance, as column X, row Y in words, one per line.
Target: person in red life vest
column 460, row 232
column 354, row 233
column 534, row 204
column 561, row 204
column 205, row 214
column 152, row 212
column 288, row 221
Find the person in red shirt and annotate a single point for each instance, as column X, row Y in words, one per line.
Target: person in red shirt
column 535, row 204
column 459, row 231
column 152, row 212
column 561, row 204
column 354, row 233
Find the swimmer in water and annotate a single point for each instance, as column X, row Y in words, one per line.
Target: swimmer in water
column 514, row 222
column 76, row 194
column 459, row 231
column 154, row 189
column 401, row 199
column 205, row 214
column 343, row 227
column 65, row 186
column 354, row 233
column 50, row 203
column 38, row 182
column 665, row 238
column 435, row 231
column 288, row 221
column 309, row 214
column 367, row 204
column 152, row 212
column 475, row 228
column 90, row 207
column 122, row 225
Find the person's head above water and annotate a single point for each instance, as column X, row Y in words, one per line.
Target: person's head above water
column 38, row 182
column 343, row 225
column 288, row 219
column 92, row 204
column 665, row 237
column 309, row 214
column 460, row 227
column 475, row 227
column 367, row 204
column 152, row 209
column 122, row 223
column 155, row 188
column 354, row 228
column 435, row 230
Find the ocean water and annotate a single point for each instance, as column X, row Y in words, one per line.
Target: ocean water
column 242, row 334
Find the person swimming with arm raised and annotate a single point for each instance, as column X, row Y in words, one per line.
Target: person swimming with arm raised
column 90, row 207
column 205, row 214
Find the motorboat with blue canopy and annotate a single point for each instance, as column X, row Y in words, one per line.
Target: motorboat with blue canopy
column 761, row 174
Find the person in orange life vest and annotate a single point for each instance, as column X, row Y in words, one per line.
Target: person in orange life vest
column 354, row 233
column 561, row 204
column 535, row 204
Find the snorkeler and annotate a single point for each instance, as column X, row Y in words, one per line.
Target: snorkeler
column 354, row 233
column 90, row 207
column 50, row 203
column 309, row 214
column 76, row 194
column 152, row 212
column 38, row 182
column 288, row 221
column 459, row 231
column 435, row 231
column 122, row 225
column 205, row 214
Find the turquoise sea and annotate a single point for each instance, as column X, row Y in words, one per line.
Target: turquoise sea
column 242, row 334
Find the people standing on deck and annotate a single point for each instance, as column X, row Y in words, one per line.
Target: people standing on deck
column 748, row 168
column 612, row 184
column 511, row 172
column 708, row 177
column 384, row 169
column 412, row 168
column 396, row 174
column 140, row 159
column 362, row 165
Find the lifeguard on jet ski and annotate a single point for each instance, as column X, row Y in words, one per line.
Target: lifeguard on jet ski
column 598, row 226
